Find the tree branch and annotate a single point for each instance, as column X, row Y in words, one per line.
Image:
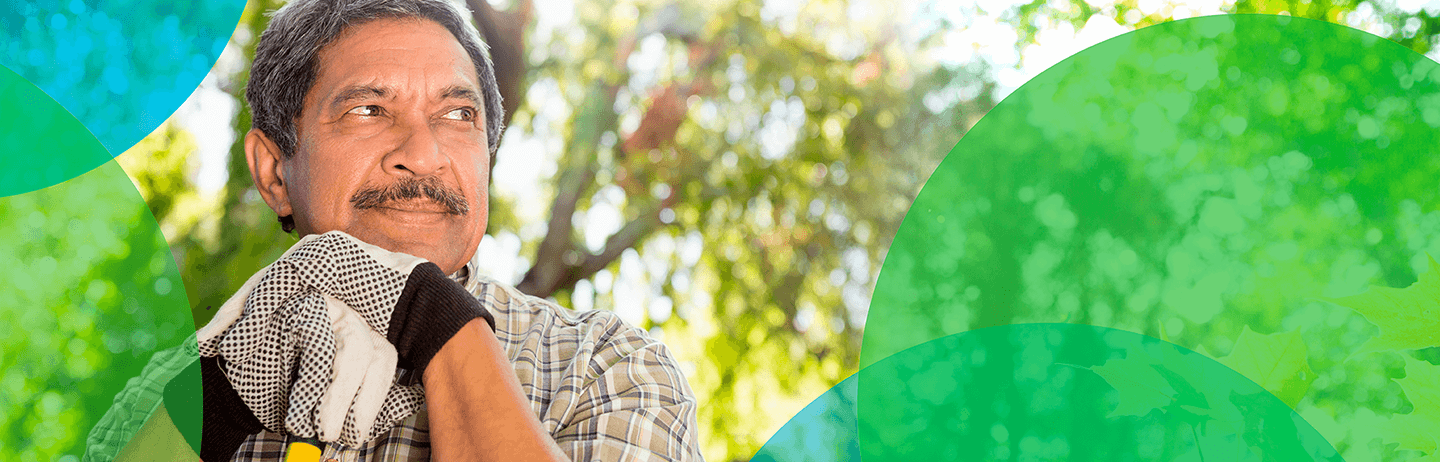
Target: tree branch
column 504, row 31
column 559, row 262
column 556, row 247
column 556, row 256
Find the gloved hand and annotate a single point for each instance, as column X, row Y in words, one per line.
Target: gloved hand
column 224, row 420
column 302, row 340
column 430, row 311
column 364, row 367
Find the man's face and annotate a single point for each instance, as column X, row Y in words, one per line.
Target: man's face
column 392, row 145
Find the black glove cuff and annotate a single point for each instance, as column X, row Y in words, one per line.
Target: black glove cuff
column 226, row 421
column 431, row 309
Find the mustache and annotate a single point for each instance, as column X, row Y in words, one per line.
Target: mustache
column 406, row 189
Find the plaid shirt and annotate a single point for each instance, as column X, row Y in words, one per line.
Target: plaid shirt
column 603, row 389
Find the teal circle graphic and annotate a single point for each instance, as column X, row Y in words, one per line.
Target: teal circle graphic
column 826, row 430
column 120, row 67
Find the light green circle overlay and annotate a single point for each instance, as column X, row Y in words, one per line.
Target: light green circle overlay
column 1221, row 185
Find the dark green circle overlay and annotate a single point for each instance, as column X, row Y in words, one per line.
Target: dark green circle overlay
column 1047, row 392
column 43, row 144
column 1209, row 183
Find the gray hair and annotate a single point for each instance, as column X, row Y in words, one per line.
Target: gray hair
column 285, row 59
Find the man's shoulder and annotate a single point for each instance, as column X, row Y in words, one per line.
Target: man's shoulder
column 590, row 374
column 551, row 345
column 519, row 316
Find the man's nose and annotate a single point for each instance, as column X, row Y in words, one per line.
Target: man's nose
column 419, row 153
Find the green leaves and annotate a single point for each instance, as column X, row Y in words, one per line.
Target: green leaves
column 1408, row 318
column 1219, row 405
column 1276, row 362
column 1142, row 388
column 1165, row 380
column 1420, row 429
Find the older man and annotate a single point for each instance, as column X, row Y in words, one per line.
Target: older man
column 380, row 119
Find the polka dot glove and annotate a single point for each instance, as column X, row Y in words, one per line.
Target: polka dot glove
column 303, row 343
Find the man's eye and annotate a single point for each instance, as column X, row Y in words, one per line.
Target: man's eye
column 464, row 113
column 369, row 110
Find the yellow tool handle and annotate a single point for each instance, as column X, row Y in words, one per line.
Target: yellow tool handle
column 301, row 451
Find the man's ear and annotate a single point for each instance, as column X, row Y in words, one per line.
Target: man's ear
column 267, row 170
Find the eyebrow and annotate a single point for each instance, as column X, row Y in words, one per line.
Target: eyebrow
column 356, row 92
column 359, row 92
column 459, row 92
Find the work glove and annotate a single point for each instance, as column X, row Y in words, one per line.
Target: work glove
column 304, row 343
column 430, row 311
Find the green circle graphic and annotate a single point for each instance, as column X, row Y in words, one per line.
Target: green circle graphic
column 90, row 294
column 1212, row 182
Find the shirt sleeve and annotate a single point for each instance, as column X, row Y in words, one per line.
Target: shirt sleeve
column 136, row 403
column 640, row 408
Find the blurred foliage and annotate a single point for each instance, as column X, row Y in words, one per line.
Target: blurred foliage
column 1276, row 362
column 90, row 294
column 790, row 144
column 1406, row 320
column 1194, row 185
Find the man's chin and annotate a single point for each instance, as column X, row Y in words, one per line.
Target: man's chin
column 445, row 249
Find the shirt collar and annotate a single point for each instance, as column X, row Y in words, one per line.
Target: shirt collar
column 468, row 275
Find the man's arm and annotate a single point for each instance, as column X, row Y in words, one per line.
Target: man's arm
column 477, row 410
